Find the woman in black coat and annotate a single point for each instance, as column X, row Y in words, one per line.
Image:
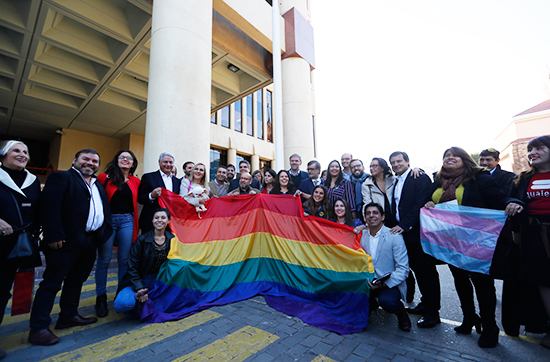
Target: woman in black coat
column 461, row 179
column 532, row 228
column 147, row 254
column 17, row 185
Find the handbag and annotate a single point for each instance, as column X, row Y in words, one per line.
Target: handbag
column 26, row 245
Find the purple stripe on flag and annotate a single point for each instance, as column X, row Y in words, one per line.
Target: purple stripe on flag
column 459, row 246
column 488, row 226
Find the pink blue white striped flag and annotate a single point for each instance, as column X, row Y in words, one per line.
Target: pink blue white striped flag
column 461, row 236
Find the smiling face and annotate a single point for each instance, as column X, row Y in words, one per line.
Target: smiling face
column 295, row 163
column 188, row 169
column 245, row 180
column 373, row 217
column 452, row 162
column 221, row 175
column 357, row 168
column 375, row 168
column 283, row 179
column 339, row 209
column 86, row 163
column 318, row 195
column 160, row 220
column 346, row 158
column 230, row 172
column 166, row 163
column 399, row 165
column 539, row 156
column 488, row 161
column 243, row 167
column 16, row 158
column 198, row 173
column 334, row 169
column 125, row 161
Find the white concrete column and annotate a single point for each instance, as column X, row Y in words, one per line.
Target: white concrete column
column 297, row 110
column 232, row 158
column 180, row 71
column 255, row 162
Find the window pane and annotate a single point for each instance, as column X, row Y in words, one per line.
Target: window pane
column 268, row 98
column 249, row 113
column 260, row 113
column 238, row 122
column 214, row 162
column 213, row 118
column 225, row 116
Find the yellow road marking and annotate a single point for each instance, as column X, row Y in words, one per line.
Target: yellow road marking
column 235, row 347
column 86, row 288
column 86, row 302
column 135, row 339
column 321, row 358
column 19, row 340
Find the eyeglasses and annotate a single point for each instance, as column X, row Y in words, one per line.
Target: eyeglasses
column 128, row 158
column 356, row 166
column 374, row 166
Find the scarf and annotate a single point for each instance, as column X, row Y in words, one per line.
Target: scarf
column 449, row 182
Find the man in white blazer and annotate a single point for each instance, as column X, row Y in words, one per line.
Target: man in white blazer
column 391, row 266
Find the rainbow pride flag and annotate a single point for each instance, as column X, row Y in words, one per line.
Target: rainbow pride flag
column 262, row 245
column 462, row 236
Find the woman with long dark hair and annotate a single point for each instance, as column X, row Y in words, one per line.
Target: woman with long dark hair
column 532, row 228
column 341, row 214
column 461, row 179
column 338, row 186
column 283, row 184
column 122, row 190
column 269, row 181
column 318, row 204
column 378, row 188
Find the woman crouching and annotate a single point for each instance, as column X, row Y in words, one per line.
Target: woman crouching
column 147, row 255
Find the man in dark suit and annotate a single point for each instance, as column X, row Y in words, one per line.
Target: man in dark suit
column 305, row 188
column 244, row 166
column 76, row 218
column 151, row 187
column 489, row 159
column 409, row 196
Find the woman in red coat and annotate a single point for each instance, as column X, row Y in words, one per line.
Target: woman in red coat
column 122, row 191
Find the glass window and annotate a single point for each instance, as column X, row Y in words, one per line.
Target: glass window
column 225, row 117
column 249, row 113
column 217, row 158
column 269, row 108
column 260, row 113
column 213, row 118
column 238, row 115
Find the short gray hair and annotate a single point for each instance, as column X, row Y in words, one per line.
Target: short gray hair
column 166, row 154
column 296, row 155
column 7, row 145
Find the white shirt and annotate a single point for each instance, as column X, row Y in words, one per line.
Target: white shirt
column 316, row 182
column 398, row 189
column 373, row 244
column 167, row 181
column 95, row 214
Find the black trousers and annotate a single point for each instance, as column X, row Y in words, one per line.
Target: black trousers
column 485, row 291
column 71, row 265
column 427, row 277
column 8, row 269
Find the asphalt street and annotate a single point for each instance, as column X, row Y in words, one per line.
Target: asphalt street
column 253, row 331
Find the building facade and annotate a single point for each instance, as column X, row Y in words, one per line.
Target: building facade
column 155, row 76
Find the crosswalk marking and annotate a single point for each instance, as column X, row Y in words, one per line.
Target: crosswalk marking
column 86, row 302
column 85, row 288
column 235, row 347
column 19, row 340
column 135, row 339
column 321, row 358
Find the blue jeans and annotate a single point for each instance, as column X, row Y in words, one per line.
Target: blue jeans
column 123, row 230
column 125, row 301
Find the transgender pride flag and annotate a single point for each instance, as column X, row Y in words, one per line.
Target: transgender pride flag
column 262, row 245
column 462, row 236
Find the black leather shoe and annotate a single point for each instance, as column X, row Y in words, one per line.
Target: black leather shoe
column 488, row 338
column 419, row 309
column 429, row 320
column 77, row 320
column 43, row 337
column 403, row 321
column 469, row 322
column 101, row 306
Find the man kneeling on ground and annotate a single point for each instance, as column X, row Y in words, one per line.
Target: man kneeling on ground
column 391, row 266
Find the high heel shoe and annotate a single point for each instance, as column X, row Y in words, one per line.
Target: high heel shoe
column 468, row 323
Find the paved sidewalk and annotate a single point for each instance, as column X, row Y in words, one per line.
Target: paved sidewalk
column 252, row 331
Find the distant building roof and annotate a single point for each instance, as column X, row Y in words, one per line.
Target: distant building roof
column 538, row 108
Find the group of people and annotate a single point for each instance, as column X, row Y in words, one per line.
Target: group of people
column 80, row 214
